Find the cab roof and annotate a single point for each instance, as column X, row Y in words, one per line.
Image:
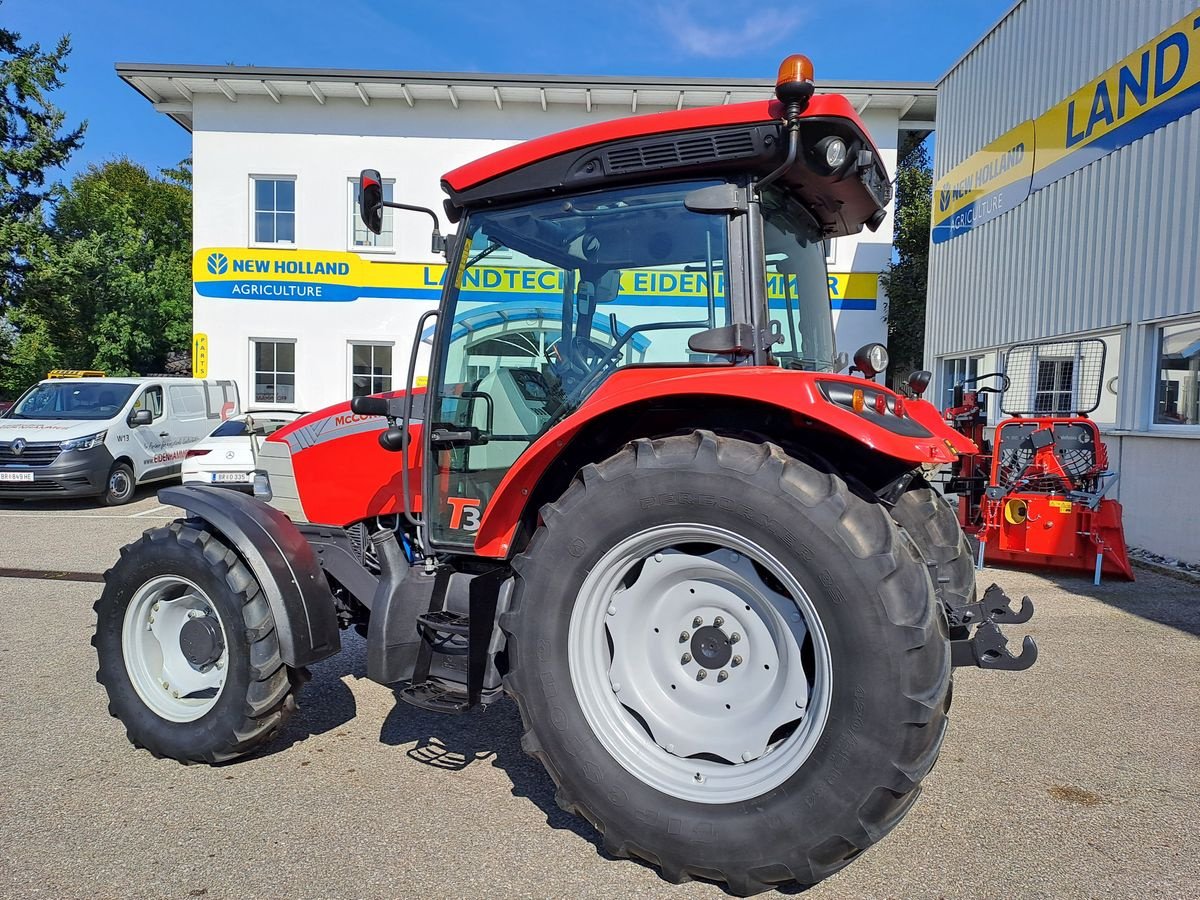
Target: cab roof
column 480, row 171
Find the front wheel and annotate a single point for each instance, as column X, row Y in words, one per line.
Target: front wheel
column 729, row 663
column 188, row 650
column 121, row 483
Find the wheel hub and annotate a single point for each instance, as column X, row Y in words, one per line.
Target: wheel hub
column 175, row 648
column 200, row 641
column 711, row 647
column 728, row 676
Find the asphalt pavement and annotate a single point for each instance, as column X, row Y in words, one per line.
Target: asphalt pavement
column 1077, row 778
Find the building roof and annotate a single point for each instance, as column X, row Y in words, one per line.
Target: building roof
column 171, row 89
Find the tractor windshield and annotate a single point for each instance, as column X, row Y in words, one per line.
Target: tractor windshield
column 797, row 285
column 551, row 297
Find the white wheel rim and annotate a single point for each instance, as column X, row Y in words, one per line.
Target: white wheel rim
column 172, row 686
column 739, row 729
column 119, row 485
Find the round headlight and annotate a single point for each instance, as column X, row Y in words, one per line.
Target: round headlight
column 871, row 359
column 831, row 152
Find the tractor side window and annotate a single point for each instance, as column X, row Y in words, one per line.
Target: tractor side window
column 549, row 300
column 797, row 285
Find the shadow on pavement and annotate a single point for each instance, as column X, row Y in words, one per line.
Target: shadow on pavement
column 326, row 702
column 491, row 733
column 1159, row 598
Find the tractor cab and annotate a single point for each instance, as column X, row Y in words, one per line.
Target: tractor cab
column 684, row 240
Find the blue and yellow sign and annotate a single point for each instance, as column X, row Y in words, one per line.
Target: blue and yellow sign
column 1153, row 86
column 231, row 273
column 988, row 184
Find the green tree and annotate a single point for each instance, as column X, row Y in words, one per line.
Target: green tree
column 906, row 279
column 33, row 140
column 112, row 289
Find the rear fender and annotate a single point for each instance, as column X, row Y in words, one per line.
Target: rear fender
column 282, row 561
column 798, row 395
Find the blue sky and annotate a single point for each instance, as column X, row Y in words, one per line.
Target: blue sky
column 888, row 40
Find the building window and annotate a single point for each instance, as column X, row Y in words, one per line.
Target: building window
column 1178, row 393
column 830, row 251
column 274, row 371
column 370, row 369
column 1055, row 388
column 954, row 372
column 273, row 209
column 360, row 237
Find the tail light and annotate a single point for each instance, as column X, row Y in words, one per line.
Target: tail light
column 194, row 452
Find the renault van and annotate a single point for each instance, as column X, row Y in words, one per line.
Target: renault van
column 75, row 437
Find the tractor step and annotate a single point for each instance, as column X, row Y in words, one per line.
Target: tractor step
column 443, row 621
column 435, row 697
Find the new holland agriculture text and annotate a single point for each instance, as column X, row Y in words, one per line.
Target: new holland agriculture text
column 1152, row 87
column 233, row 273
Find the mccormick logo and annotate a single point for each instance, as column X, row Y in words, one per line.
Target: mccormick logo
column 218, row 263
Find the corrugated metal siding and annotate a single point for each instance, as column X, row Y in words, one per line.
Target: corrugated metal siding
column 1116, row 242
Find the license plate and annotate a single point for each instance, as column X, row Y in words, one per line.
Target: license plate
column 227, row 477
column 16, row 476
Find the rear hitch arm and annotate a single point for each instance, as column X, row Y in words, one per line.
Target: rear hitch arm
column 994, row 607
column 987, row 647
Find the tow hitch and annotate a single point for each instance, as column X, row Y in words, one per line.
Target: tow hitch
column 987, row 647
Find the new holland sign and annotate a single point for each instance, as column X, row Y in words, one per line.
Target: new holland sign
column 1153, row 86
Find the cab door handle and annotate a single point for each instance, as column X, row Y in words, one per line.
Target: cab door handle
column 164, row 434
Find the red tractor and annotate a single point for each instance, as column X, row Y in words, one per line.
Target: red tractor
column 636, row 495
column 1039, row 496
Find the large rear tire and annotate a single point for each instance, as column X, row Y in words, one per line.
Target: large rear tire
column 931, row 522
column 188, row 651
column 780, row 767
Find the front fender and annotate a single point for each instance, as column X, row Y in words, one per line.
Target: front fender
column 282, row 561
column 927, row 439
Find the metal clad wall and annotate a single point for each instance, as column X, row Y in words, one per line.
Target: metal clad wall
column 1073, row 257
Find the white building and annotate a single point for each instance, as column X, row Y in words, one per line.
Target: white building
column 299, row 305
column 1065, row 205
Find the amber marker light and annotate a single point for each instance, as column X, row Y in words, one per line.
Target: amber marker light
column 796, row 67
column 857, row 400
column 794, row 84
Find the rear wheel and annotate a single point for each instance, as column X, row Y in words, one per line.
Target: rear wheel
column 728, row 663
column 931, row 522
column 187, row 649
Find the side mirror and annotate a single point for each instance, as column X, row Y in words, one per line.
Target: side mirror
column 918, row 381
column 370, row 199
column 141, row 417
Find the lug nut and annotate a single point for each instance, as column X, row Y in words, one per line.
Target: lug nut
column 722, row 675
column 685, row 659
column 737, row 660
column 747, row 756
column 734, row 638
column 612, row 610
column 697, row 622
column 702, row 674
column 683, row 637
column 616, row 687
column 718, row 621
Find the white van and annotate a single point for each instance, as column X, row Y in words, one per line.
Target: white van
column 72, row 437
